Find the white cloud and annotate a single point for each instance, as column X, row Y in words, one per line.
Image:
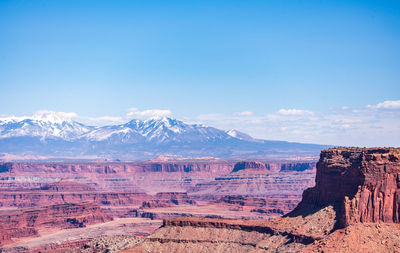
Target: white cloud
column 212, row 117
column 52, row 116
column 145, row 114
column 388, row 104
column 293, row 112
column 351, row 127
column 244, row 113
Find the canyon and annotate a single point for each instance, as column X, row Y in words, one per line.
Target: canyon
column 28, row 222
column 139, row 195
column 352, row 208
column 250, row 206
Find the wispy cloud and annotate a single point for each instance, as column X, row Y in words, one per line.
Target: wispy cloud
column 388, row 104
column 368, row 126
column 244, row 113
column 145, row 114
column 294, row 112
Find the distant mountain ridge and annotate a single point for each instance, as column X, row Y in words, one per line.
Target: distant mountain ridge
column 53, row 134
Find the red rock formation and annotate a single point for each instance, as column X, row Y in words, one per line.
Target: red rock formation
column 364, row 181
column 119, row 187
column 246, row 165
column 215, row 166
column 354, row 187
column 43, row 198
column 27, row 222
column 148, row 176
column 261, row 205
column 274, row 185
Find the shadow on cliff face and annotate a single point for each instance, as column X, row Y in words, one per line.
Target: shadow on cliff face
column 5, row 167
column 338, row 176
column 305, row 210
column 310, row 206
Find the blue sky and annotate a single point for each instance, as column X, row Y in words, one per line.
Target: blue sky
column 230, row 64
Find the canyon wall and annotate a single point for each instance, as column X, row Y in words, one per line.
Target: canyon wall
column 162, row 187
column 147, row 176
column 212, row 166
column 27, row 222
column 364, row 182
column 354, row 207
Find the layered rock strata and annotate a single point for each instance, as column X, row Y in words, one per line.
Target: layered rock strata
column 116, row 185
column 27, row 222
column 364, row 182
column 353, row 207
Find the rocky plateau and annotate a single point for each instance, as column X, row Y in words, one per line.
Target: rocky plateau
column 152, row 190
column 353, row 207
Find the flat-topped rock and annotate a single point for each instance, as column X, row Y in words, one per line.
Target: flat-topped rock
column 364, row 181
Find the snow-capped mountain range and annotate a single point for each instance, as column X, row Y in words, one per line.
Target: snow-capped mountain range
column 55, row 134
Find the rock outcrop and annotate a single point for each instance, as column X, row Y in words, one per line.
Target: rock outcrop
column 364, row 182
column 254, row 165
column 277, row 185
column 271, row 207
column 32, row 198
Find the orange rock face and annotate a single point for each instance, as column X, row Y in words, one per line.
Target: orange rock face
column 364, row 181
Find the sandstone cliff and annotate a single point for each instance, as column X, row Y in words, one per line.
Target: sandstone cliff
column 365, row 183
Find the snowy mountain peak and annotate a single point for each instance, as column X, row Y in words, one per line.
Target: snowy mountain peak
column 163, row 120
column 57, row 134
column 239, row 135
